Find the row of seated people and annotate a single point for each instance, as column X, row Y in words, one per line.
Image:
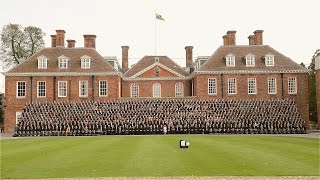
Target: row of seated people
column 159, row 116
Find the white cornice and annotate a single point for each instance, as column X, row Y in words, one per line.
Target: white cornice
column 251, row 72
column 157, row 79
column 154, row 65
column 63, row 74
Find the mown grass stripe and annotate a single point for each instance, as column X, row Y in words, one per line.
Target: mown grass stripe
column 58, row 157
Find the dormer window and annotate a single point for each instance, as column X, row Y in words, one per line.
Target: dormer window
column 250, row 60
column 63, row 62
column 230, row 60
column 42, row 62
column 85, row 62
column 269, row 60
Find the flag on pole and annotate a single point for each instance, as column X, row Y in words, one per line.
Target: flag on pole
column 158, row 16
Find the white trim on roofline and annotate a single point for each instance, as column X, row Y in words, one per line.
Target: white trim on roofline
column 63, row 74
column 154, row 65
column 251, row 72
column 156, row 78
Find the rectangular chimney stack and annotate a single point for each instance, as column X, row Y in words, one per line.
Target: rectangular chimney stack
column 125, row 57
column 258, row 37
column 53, row 40
column 189, row 56
column 230, row 38
column 252, row 40
column 60, row 38
column 71, row 43
column 89, row 41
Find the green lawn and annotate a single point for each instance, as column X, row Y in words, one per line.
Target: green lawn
column 101, row 156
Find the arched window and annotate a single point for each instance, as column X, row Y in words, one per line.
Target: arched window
column 134, row 90
column 179, row 89
column 156, row 90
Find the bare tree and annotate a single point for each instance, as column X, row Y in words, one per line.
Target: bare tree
column 19, row 43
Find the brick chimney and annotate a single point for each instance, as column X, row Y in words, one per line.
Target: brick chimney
column 71, row 43
column 189, row 56
column 125, row 62
column 60, row 38
column 252, row 40
column 89, row 41
column 225, row 40
column 231, row 37
column 53, row 40
column 258, row 37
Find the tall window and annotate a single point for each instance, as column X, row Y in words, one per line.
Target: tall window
column 63, row 62
column 21, row 89
column 212, row 86
column 272, row 86
column 42, row 62
column 83, row 88
column 269, row 60
column 250, row 60
column 232, row 86
column 252, row 89
column 103, row 88
column 85, row 62
column 230, row 60
column 41, row 89
column 134, row 90
column 156, row 90
column 62, row 88
column 179, row 89
column 292, row 85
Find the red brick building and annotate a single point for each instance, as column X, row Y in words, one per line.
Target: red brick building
column 317, row 67
column 60, row 73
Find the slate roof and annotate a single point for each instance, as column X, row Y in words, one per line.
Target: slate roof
column 217, row 61
column 98, row 64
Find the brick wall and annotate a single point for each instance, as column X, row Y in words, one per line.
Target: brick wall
column 301, row 98
column 14, row 104
column 145, row 88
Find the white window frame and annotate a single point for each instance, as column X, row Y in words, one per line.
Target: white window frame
column 269, row 60
column 83, row 88
column 21, row 92
column 40, row 90
column 134, row 90
column 42, row 62
column 252, row 86
column 63, row 62
column 103, row 88
column 272, row 86
column 212, row 86
column 156, row 90
column 292, row 85
column 230, row 60
column 18, row 116
column 62, row 85
column 233, row 90
column 85, row 62
column 250, row 60
column 179, row 89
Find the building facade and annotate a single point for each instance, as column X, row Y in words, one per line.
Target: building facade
column 70, row 73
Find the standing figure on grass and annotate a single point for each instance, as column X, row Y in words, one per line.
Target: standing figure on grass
column 164, row 129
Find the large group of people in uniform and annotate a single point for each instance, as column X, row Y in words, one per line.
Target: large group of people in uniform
column 160, row 116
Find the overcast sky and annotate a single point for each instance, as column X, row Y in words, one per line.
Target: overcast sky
column 290, row 27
